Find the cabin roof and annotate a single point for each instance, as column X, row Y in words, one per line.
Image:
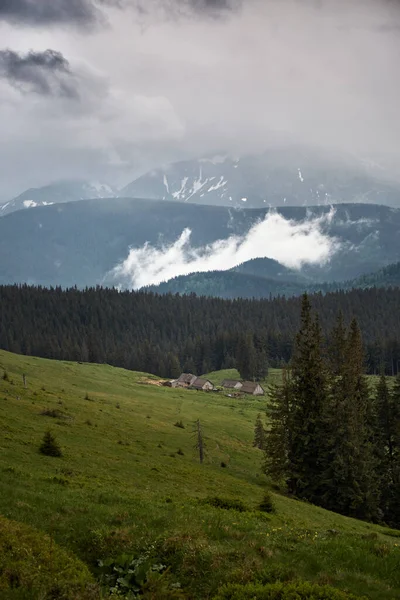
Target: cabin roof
column 200, row 382
column 186, row 378
column 250, row 387
column 230, row 382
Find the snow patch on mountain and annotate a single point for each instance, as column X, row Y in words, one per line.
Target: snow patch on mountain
column 181, row 192
column 58, row 193
column 221, row 183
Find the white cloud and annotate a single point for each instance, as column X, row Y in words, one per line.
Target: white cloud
column 291, row 243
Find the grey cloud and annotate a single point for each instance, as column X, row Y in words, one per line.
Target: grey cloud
column 47, row 73
column 89, row 12
column 174, row 79
column 44, row 12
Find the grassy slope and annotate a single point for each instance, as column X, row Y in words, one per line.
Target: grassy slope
column 121, row 484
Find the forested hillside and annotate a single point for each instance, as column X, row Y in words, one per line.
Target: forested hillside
column 164, row 334
column 254, row 279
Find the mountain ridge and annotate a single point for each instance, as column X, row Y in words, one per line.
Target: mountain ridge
column 237, row 283
column 293, row 176
column 80, row 243
column 59, row 192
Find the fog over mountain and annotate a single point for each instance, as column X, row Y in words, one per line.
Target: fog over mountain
column 289, row 242
column 105, row 90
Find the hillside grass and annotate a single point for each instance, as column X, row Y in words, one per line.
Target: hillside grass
column 122, row 487
column 217, row 377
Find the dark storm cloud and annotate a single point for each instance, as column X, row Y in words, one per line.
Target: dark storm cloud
column 47, row 73
column 89, row 13
column 45, row 12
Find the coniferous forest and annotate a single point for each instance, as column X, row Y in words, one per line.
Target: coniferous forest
column 166, row 334
column 334, row 440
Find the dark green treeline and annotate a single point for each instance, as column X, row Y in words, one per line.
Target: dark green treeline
column 166, row 334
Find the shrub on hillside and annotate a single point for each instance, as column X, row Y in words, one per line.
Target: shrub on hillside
column 266, row 504
column 282, row 591
column 144, row 577
column 50, row 446
column 180, row 424
column 54, row 413
column 226, row 503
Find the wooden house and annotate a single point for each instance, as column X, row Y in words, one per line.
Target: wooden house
column 253, row 388
column 202, row 384
column 232, row 384
column 184, row 380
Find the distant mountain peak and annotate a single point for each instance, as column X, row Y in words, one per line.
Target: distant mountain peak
column 275, row 178
column 58, row 193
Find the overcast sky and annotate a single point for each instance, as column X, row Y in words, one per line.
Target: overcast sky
column 106, row 89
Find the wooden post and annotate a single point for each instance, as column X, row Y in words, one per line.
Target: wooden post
column 200, row 444
column 24, row 380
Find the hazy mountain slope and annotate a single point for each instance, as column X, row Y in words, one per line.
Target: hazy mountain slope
column 229, row 285
column 56, row 193
column 80, row 242
column 267, row 268
column 232, row 284
column 278, row 177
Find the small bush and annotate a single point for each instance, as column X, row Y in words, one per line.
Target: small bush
column 179, row 424
column 226, row 503
column 54, row 413
column 180, row 452
column 129, row 577
column 282, row 591
column 223, row 465
column 50, row 446
column 5, row 376
column 266, row 504
column 118, row 405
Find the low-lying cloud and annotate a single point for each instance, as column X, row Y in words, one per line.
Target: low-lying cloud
column 289, row 242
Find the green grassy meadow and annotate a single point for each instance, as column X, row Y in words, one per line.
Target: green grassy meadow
column 129, row 481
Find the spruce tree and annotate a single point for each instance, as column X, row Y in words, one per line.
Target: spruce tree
column 278, row 439
column 261, row 365
column 259, row 434
column 388, row 420
column 350, row 480
column 50, row 446
column 307, row 451
column 384, row 441
column 337, row 346
column 246, row 357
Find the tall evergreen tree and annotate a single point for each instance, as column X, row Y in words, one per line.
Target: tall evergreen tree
column 278, row 439
column 337, row 347
column 388, row 439
column 246, row 357
column 307, row 451
column 259, row 434
column 351, row 483
column 261, row 365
